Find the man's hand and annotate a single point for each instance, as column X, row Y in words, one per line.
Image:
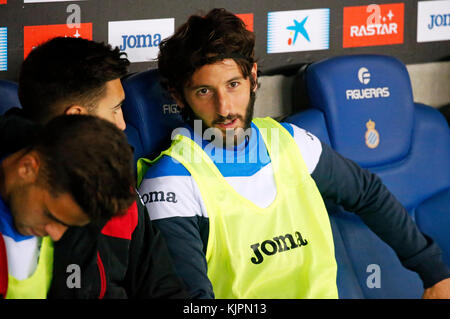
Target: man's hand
column 441, row 290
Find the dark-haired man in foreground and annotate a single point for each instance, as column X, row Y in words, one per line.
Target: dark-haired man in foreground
column 77, row 76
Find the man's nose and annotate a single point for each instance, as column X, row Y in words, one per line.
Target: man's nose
column 120, row 121
column 223, row 103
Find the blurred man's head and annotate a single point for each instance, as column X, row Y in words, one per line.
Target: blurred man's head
column 73, row 76
column 79, row 170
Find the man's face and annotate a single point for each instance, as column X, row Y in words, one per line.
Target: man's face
column 110, row 106
column 37, row 213
column 219, row 95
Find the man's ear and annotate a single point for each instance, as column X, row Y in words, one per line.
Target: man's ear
column 76, row 110
column 254, row 74
column 28, row 167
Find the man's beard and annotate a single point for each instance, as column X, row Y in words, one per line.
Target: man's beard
column 237, row 135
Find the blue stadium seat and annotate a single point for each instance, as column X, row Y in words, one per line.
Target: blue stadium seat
column 150, row 114
column 8, row 95
column 363, row 107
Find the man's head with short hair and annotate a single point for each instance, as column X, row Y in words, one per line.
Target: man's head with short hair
column 219, row 36
column 78, row 170
column 73, row 76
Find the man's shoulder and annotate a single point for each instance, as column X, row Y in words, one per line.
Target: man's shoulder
column 310, row 146
column 168, row 190
column 166, row 166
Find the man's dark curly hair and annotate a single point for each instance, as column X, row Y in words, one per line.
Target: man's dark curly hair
column 90, row 159
column 67, row 71
column 205, row 40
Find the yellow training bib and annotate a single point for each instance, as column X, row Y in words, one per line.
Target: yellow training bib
column 38, row 284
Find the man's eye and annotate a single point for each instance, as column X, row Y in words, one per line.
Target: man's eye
column 234, row 84
column 202, row 91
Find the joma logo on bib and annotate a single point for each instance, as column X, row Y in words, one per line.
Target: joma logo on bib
column 278, row 244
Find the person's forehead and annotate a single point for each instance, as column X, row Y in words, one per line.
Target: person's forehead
column 113, row 95
column 223, row 69
column 226, row 64
column 114, row 87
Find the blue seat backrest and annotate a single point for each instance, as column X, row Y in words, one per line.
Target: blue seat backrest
column 362, row 106
column 150, row 114
column 8, row 96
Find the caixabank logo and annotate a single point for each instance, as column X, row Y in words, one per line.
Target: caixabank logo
column 373, row 25
column 3, row 49
column 433, row 21
column 140, row 39
column 37, row 34
column 299, row 30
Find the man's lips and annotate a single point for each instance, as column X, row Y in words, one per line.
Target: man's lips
column 227, row 123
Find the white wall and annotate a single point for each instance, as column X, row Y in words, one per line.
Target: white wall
column 431, row 83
